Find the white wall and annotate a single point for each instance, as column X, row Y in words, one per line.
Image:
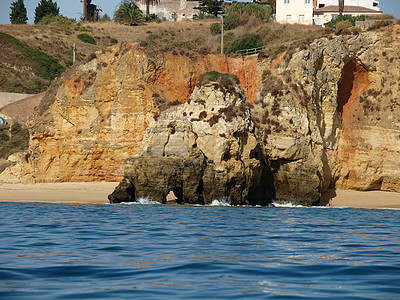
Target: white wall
column 177, row 10
column 363, row 3
column 294, row 11
column 327, row 17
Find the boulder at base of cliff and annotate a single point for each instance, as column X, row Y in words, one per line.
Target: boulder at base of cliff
column 203, row 150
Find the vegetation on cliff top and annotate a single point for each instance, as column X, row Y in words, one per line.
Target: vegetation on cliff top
column 226, row 82
column 214, row 76
column 19, row 73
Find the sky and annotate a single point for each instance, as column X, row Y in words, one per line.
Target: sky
column 73, row 8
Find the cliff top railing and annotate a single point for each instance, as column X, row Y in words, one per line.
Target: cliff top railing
column 251, row 51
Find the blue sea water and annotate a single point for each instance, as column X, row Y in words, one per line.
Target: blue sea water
column 67, row 251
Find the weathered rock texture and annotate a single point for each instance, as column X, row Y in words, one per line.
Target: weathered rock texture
column 331, row 117
column 96, row 115
column 202, row 150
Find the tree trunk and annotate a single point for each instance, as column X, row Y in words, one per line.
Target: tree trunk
column 147, row 8
column 85, row 11
column 341, row 7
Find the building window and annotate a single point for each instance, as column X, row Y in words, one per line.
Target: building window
column 334, row 16
column 307, row 1
column 301, row 18
column 288, row 18
column 321, row 5
column 287, row 1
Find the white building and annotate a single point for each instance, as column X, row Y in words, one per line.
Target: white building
column 320, row 12
column 326, row 10
column 372, row 4
column 171, row 10
column 294, row 11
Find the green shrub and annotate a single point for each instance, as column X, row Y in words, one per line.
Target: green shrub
column 252, row 9
column 153, row 18
column 231, row 21
column 349, row 18
column 248, row 40
column 114, row 41
column 4, row 137
column 199, row 43
column 56, row 20
column 214, row 76
column 153, row 37
column 215, row 28
column 84, row 37
column 229, row 38
column 69, row 63
column 343, row 25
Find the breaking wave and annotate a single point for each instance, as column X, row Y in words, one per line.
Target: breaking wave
column 142, row 201
column 222, row 202
column 288, row 204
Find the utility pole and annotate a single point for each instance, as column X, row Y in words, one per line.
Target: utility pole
column 222, row 34
column 73, row 52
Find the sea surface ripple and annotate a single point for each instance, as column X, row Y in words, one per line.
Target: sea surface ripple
column 66, row 251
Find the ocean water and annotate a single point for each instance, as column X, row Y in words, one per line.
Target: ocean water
column 67, row 251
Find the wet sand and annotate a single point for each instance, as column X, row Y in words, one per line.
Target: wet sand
column 97, row 192
column 68, row 192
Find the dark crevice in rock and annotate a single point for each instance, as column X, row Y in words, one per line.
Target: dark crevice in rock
column 346, row 85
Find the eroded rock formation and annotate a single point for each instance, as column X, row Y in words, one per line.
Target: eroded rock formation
column 330, row 117
column 203, row 150
column 96, row 115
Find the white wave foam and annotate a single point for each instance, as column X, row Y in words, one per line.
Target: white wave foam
column 288, row 204
column 221, row 202
column 142, row 201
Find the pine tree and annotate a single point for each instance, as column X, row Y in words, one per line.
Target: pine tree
column 213, row 7
column 18, row 12
column 46, row 8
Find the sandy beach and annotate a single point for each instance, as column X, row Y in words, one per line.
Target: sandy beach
column 66, row 192
column 369, row 199
column 97, row 192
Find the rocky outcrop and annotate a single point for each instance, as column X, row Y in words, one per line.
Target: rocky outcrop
column 330, row 117
column 95, row 116
column 200, row 151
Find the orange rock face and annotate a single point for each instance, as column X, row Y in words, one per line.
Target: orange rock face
column 98, row 115
column 329, row 117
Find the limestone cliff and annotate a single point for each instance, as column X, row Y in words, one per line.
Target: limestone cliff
column 331, row 116
column 200, row 151
column 96, row 115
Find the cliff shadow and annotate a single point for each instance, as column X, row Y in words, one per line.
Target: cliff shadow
column 327, row 196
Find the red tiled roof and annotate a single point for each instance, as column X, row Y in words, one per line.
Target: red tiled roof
column 347, row 9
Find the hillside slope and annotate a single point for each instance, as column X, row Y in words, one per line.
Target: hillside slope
column 22, row 45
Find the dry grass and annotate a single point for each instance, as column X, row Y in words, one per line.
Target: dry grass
column 180, row 38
